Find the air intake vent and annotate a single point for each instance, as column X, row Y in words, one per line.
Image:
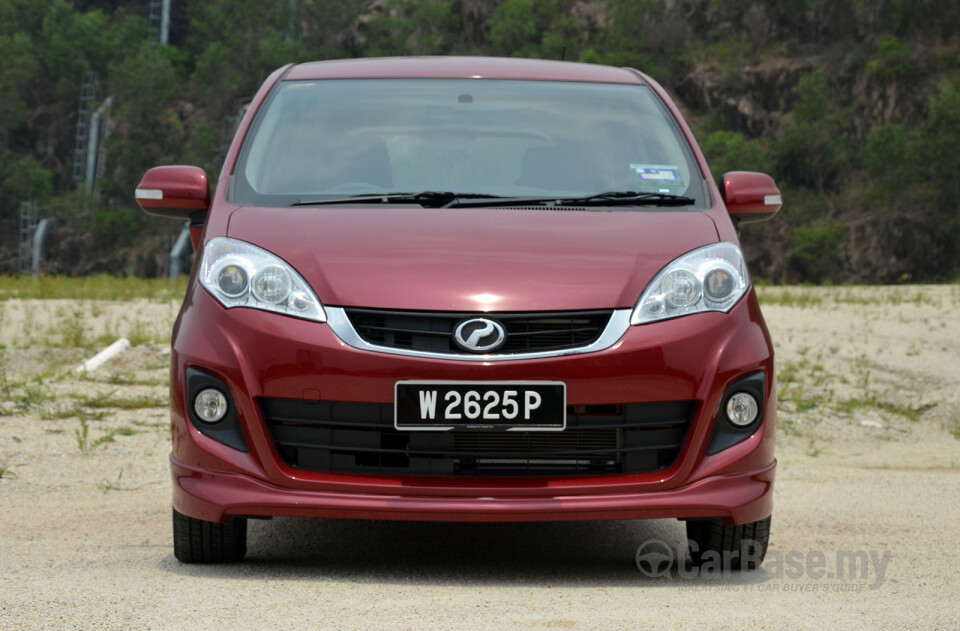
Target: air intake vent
column 360, row 438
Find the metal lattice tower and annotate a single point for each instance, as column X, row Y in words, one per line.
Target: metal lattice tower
column 29, row 218
column 156, row 13
column 88, row 93
column 231, row 123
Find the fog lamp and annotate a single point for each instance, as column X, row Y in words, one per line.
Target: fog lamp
column 742, row 409
column 210, row 405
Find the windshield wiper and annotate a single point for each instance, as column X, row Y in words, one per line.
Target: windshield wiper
column 610, row 198
column 448, row 199
column 431, row 199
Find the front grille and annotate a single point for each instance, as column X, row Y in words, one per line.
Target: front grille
column 348, row 437
column 433, row 331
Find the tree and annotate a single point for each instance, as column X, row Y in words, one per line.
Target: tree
column 813, row 149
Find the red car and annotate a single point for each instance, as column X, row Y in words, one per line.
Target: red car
column 468, row 289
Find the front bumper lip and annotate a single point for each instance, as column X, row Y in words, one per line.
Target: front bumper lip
column 218, row 496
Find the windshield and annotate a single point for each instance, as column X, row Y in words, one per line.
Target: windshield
column 337, row 138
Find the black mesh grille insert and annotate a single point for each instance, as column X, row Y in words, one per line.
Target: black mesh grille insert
column 433, row 331
column 360, row 438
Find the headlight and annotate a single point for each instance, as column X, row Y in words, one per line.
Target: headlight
column 713, row 278
column 238, row 274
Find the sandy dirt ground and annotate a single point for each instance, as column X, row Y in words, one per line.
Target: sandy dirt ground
column 869, row 467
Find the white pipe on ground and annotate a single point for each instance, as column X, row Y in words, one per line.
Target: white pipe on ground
column 105, row 355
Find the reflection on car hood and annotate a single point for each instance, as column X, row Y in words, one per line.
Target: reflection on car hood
column 474, row 259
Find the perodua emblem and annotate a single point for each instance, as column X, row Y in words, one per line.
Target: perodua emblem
column 479, row 335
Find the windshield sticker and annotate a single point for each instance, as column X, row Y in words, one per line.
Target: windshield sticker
column 663, row 178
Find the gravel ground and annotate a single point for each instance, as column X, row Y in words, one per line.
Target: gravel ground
column 869, row 464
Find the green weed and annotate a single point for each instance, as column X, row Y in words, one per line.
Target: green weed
column 871, row 402
column 83, row 434
column 127, row 379
column 55, row 414
column 107, row 400
column 87, row 445
column 32, row 397
column 73, row 333
column 788, row 425
column 101, row 287
column 98, row 400
column 800, row 296
column 106, row 486
column 133, row 403
column 788, row 298
column 807, row 403
column 139, row 335
column 154, row 426
column 6, row 385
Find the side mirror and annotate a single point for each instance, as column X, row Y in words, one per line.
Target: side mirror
column 174, row 191
column 750, row 197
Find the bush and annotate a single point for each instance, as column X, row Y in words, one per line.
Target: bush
column 884, row 153
column 24, row 179
column 892, row 60
column 412, row 27
column 937, row 143
column 813, row 149
column 732, row 151
column 819, row 250
column 534, row 28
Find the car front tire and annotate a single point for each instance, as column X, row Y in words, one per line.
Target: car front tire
column 741, row 547
column 199, row 541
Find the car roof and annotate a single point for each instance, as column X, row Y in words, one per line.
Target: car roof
column 461, row 68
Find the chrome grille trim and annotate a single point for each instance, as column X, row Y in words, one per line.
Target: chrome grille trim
column 338, row 321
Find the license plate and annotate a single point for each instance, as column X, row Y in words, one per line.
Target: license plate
column 507, row 405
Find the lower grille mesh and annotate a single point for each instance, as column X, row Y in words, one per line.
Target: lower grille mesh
column 360, row 438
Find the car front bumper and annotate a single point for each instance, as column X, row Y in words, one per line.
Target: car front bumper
column 259, row 354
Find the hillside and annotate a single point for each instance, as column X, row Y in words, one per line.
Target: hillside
column 853, row 105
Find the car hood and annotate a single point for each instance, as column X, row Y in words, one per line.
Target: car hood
column 478, row 259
